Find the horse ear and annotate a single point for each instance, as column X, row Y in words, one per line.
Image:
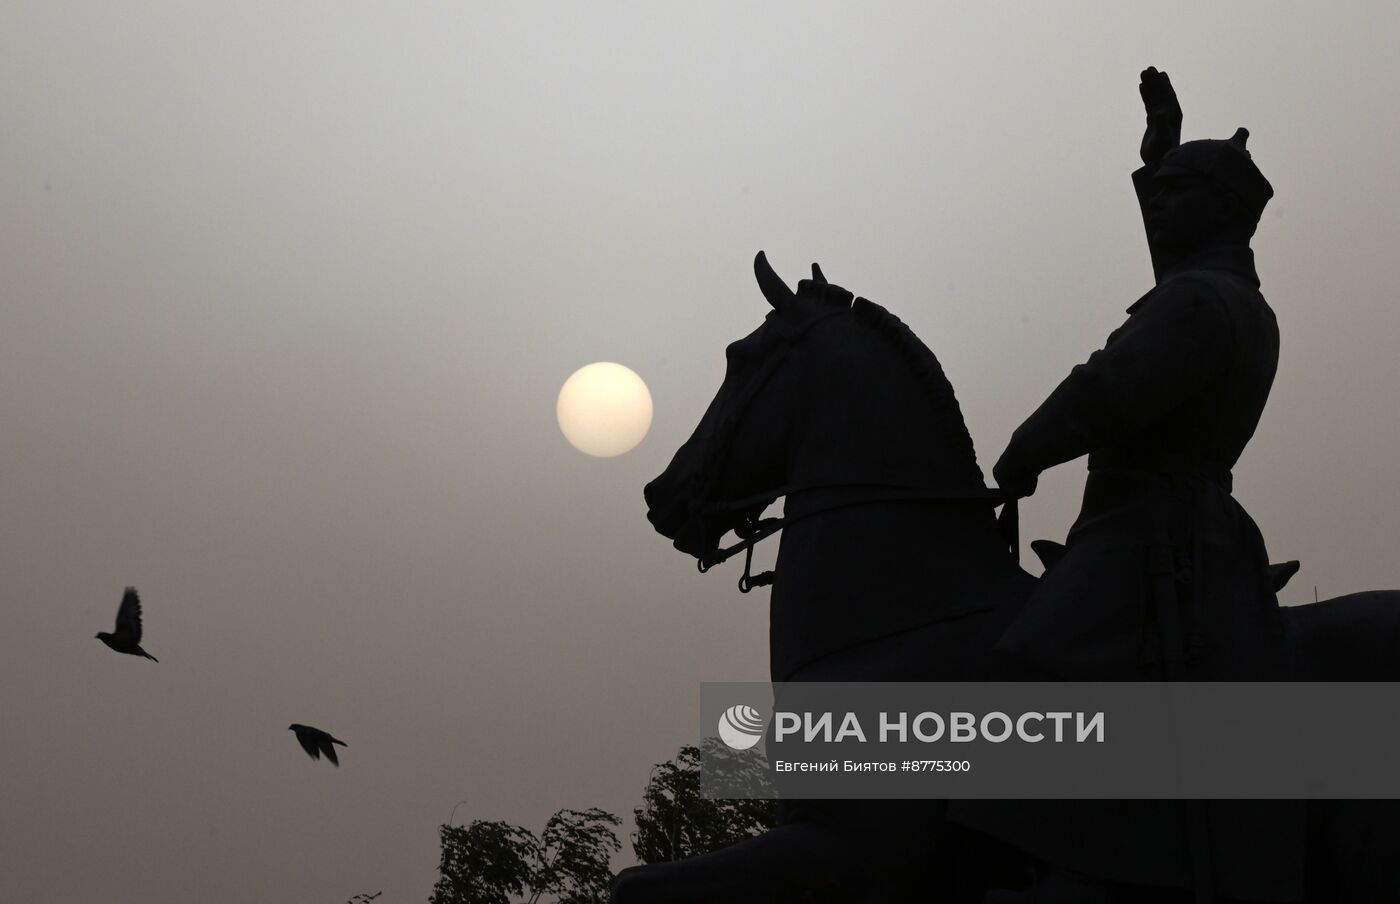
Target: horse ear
column 772, row 285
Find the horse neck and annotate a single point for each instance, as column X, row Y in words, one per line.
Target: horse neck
column 948, row 535
column 876, row 408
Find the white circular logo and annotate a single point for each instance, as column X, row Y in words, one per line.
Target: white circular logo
column 741, row 726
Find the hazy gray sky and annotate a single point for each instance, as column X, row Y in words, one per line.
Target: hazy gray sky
column 287, row 292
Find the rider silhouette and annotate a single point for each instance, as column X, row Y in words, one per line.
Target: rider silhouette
column 1164, row 574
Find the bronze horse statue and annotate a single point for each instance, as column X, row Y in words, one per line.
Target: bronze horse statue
column 894, row 567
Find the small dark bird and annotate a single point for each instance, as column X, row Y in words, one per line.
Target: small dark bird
column 127, row 637
column 316, row 742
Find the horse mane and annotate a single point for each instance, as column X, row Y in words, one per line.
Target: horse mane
column 949, row 427
column 946, row 424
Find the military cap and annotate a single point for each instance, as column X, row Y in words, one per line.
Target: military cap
column 1226, row 162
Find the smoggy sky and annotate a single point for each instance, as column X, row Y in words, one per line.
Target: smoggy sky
column 287, row 292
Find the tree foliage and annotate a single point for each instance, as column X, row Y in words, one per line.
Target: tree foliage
column 496, row 862
column 569, row 862
column 575, row 848
column 676, row 820
column 484, row 863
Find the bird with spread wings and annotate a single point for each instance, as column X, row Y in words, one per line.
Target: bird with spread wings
column 317, row 742
column 127, row 636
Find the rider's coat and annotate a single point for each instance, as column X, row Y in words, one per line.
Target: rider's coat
column 1163, row 410
column 1173, row 397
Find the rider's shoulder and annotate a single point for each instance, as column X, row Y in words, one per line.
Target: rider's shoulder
column 1189, row 294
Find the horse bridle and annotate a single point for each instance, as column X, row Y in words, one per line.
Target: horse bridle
column 753, row 530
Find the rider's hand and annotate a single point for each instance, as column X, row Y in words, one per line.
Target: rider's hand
column 1014, row 479
column 1163, row 115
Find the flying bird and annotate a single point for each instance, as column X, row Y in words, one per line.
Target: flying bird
column 127, row 637
column 316, row 742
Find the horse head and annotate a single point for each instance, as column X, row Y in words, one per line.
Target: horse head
column 831, row 394
column 740, row 447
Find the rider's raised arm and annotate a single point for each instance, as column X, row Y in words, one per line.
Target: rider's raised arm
column 1162, row 134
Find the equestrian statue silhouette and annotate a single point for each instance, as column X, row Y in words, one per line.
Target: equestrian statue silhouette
column 893, row 566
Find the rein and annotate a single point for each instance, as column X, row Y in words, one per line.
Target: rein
column 753, row 531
